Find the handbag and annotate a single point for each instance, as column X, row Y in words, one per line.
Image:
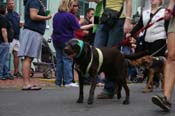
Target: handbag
column 109, row 17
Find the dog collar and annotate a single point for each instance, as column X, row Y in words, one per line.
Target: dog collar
column 81, row 45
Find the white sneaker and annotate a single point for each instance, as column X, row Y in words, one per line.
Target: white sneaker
column 72, row 85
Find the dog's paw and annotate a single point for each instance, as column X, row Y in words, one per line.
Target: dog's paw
column 80, row 101
column 125, row 102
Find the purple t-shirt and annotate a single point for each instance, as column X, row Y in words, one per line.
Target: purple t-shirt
column 64, row 25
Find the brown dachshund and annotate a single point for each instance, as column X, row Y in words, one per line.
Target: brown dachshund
column 154, row 65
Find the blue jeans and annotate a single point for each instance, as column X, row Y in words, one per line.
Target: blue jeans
column 4, row 60
column 109, row 39
column 64, row 69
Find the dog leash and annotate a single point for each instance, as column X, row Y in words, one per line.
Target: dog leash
column 126, row 41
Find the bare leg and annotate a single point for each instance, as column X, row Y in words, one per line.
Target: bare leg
column 26, row 71
column 15, row 61
column 169, row 68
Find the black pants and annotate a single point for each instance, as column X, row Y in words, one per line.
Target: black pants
column 153, row 47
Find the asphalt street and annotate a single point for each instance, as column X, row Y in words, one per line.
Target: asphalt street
column 56, row 101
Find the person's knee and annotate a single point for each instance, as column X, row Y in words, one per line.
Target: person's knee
column 28, row 59
column 171, row 57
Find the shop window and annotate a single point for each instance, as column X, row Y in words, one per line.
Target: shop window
column 3, row 1
column 84, row 5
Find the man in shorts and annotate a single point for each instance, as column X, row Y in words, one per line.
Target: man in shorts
column 14, row 18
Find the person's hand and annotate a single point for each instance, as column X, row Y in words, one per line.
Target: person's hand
column 127, row 35
column 48, row 17
column 6, row 43
column 127, row 26
column 168, row 14
column 92, row 19
column 132, row 40
column 133, row 46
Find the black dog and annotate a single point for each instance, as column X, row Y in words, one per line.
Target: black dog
column 93, row 61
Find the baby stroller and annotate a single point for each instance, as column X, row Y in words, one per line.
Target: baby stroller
column 46, row 65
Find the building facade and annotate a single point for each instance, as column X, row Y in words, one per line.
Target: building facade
column 52, row 5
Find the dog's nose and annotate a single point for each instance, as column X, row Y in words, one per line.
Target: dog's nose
column 65, row 49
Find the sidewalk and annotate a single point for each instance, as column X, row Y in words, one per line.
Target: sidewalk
column 37, row 79
column 18, row 82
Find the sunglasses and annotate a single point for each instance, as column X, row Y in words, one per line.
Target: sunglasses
column 77, row 5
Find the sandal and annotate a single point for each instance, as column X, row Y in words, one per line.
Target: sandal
column 31, row 88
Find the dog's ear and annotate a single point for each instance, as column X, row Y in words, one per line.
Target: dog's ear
column 73, row 42
column 74, row 45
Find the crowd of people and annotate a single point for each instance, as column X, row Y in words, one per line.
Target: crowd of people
column 105, row 26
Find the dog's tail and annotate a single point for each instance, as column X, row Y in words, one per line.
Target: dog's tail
column 136, row 55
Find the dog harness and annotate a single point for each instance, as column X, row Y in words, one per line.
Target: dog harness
column 100, row 60
column 158, row 62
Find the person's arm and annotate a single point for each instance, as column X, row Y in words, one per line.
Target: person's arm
column 127, row 24
column 171, row 4
column 169, row 11
column 4, row 35
column 137, row 27
column 86, row 27
column 34, row 15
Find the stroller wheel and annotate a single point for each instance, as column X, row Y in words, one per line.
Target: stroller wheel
column 47, row 75
column 31, row 72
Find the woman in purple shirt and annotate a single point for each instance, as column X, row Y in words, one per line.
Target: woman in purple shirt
column 64, row 25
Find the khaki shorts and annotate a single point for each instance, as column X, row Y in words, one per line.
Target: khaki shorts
column 171, row 28
column 14, row 45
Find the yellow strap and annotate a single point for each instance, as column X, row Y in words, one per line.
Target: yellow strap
column 90, row 63
column 100, row 59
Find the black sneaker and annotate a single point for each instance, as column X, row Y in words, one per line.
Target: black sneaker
column 17, row 75
column 161, row 102
column 10, row 77
column 2, row 78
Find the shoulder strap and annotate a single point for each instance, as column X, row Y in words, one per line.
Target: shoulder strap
column 104, row 4
column 151, row 16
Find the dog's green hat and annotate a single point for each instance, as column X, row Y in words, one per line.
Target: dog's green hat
column 81, row 45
